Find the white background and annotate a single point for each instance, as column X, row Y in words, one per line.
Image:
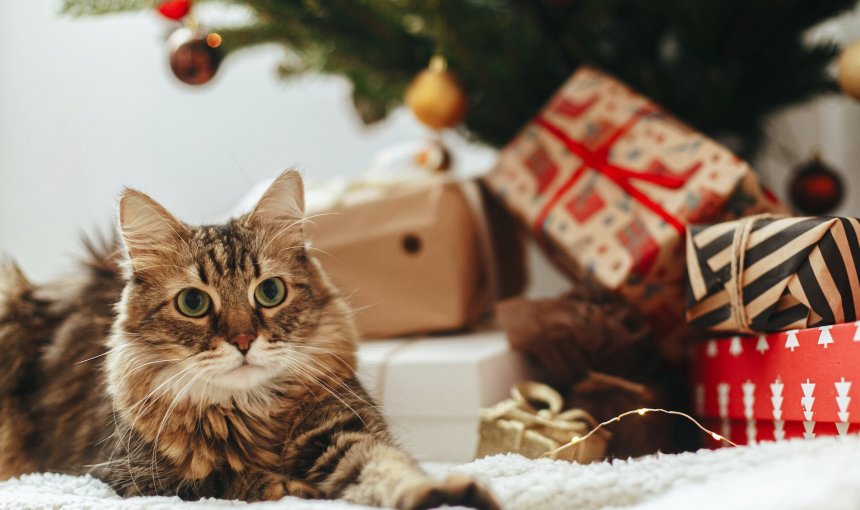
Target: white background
column 88, row 106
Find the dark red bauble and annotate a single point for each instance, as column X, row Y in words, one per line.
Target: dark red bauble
column 193, row 60
column 174, row 9
column 816, row 188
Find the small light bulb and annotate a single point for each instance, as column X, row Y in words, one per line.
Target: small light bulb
column 642, row 412
column 717, row 436
column 575, row 440
column 213, row 40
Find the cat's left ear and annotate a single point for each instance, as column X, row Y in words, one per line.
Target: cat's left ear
column 283, row 203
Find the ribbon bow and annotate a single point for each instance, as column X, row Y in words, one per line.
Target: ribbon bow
column 548, row 420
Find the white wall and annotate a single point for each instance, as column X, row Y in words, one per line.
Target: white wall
column 88, row 106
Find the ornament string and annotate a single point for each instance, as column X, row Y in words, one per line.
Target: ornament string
column 641, row 412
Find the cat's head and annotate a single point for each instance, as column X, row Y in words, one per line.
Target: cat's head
column 225, row 313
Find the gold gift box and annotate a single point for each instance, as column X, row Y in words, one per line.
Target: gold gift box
column 532, row 424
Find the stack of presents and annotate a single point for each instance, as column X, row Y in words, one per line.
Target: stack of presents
column 691, row 288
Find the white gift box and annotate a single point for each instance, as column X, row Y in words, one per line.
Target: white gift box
column 432, row 389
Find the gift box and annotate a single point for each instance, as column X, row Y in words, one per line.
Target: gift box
column 532, row 424
column 432, row 389
column 416, row 257
column 770, row 274
column 798, row 383
column 608, row 182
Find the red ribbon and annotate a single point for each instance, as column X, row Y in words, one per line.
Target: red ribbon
column 598, row 160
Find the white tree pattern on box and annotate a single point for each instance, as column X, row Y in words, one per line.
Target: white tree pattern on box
column 735, row 347
column 776, row 401
column 807, row 401
column 825, row 338
column 857, row 332
column 723, row 403
column 791, row 340
column 762, row 346
column 843, row 387
column 749, row 401
column 700, row 399
column 713, row 350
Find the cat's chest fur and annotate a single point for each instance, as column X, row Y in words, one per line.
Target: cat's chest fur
column 197, row 442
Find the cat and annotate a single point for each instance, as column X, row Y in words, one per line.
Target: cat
column 213, row 361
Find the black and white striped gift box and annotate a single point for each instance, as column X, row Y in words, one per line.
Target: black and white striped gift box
column 772, row 274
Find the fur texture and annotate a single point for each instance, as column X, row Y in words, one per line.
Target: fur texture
column 108, row 373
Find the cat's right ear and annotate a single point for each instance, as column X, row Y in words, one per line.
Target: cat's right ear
column 149, row 232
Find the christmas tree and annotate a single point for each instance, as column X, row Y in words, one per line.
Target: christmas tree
column 721, row 66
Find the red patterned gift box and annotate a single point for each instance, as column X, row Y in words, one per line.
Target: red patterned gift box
column 791, row 384
column 608, row 183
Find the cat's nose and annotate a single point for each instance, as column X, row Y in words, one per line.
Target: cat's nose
column 243, row 341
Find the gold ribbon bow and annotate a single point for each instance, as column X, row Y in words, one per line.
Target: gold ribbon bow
column 532, row 423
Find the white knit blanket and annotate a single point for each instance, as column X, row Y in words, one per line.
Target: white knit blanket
column 824, row 473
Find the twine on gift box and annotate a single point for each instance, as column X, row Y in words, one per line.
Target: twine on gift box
column 734, row 286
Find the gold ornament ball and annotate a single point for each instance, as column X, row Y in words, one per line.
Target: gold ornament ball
column 436, row 97
column 849, row 70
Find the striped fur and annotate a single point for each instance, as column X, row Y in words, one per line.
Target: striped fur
column 104, row 375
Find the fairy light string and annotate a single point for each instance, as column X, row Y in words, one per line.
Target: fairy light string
column 641, row 412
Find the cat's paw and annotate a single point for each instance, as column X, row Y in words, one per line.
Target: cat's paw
column 457, row 490
column 274, row 488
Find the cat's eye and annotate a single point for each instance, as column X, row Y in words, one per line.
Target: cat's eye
column 270, row 292
column 193, row 302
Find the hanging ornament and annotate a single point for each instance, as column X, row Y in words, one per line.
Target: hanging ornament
column 436, row 97
column 816, row 188
column 194, row 55
column 174, row 9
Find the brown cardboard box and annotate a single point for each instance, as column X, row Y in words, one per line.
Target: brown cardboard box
column 414, row 258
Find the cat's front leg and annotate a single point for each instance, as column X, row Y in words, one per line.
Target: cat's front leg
column 343, row 448
column 265, row 486
column 374, row 472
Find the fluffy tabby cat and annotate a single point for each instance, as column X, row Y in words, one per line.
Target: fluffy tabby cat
column 219, row 362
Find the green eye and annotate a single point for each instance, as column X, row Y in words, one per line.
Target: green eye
column 193, row 302
column 270, row 292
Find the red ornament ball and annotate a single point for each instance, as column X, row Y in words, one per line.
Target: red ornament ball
column 174, row 9
column 194, row 56
column 816, row 188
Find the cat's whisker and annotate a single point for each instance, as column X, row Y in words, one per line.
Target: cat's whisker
column 153, row 392
column 99, row 355
column 301, row 369
column 329, row 371
column 176, row 399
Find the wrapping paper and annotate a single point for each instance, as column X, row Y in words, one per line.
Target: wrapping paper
column 608, row 182
column 773, row 274
column 798, row 383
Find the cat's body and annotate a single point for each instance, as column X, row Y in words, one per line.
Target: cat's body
column 219, row 363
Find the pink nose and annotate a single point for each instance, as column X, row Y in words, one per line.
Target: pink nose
column 243, row 341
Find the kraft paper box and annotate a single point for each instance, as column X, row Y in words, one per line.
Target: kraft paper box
column 432, row 389
column 415, row 258
column 769, row 274
column 607, row 182
column 791, row 384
